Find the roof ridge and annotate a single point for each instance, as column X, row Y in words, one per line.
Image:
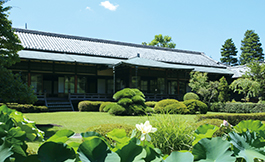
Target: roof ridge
column 102, row 40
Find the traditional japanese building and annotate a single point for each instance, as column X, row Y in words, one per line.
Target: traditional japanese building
column 79, row 68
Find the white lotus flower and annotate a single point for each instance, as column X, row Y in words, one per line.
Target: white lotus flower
column 145, row 129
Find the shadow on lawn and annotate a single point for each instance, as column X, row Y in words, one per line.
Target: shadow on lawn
column 48, row 129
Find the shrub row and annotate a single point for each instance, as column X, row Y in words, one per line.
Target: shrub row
column 238, row 107
column 233, row 119
column 173, row 106
column 89, row 105
column 26, row 108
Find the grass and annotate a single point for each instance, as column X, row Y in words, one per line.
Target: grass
column 80, row 121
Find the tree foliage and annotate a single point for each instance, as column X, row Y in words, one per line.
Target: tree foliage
column 251, row 48
column 246, row 86
column 161, row 41
column 199, row 83
column 12, row 88
column 223, row 90
column 229, row 52
column 256, row 72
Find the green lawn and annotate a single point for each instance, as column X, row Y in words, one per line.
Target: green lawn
column 80, row 121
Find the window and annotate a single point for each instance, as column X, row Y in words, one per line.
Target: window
column 109, row 86
column 69, row 84
column 144, row 86
column 173, row 87
column 36, row 83
column 81, row 84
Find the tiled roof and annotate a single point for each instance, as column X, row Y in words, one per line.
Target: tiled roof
column 238, row 70
column 59, row 43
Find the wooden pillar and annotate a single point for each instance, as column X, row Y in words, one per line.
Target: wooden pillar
column 166, row 90
column 75, row 77
column 114, row 80
column 75, row 83
column 29, row 79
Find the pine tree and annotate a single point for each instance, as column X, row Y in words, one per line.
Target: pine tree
column 228, row 53
column 251, row 48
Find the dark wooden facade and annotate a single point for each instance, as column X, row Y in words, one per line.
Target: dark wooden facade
column 96, row 82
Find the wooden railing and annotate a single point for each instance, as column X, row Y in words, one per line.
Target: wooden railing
column 90, row 96
column 42, row 97
column 157, row 97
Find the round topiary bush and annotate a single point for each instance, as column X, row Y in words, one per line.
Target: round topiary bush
column 89, row 105
column 177, row 108
column 191, row 96
column 161, row 105
column 103, row 105
column 196, row 105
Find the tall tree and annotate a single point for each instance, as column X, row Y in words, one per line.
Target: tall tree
column 251, row 48
column 228, row 53
column 161, row 41
column 12, row 89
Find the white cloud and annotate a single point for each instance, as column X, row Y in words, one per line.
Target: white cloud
column 88, row 8
column 109, row 6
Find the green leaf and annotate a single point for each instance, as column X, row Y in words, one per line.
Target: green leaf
column 204, row 131
column 6, row 110
column 56, row 152
column 61, row 136
column 180, row 157
column 5, row 151
column 119, row 135
column 251, row 125
column 32, row 132
column 247, row 146
column 74, row 145
column 16, row 138
column 32, row 158
column 94, row 149
column 152, row 155
column 213, row 150
column 132, row 152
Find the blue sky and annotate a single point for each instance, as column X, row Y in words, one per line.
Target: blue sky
column 197, row 25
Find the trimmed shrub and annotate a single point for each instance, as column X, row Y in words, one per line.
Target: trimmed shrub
column 233, row 119
column 125, row 101
column 89, row 105
column 217, row 106
column 196, row 105
column 177, row 108
column 26, row 108
column 138, row 99
column 108, row 107
column 238, row 107
column 127, row 93
column 132, row 100
column 151, row 103
column 117, row 109
column 103, row 105
column 191, row 96
column 160, row 106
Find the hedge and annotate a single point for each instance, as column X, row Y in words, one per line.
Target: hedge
column 233, row 119
column 103, row 105
column 89, row 105
column 238, row 107
column 26, row 108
